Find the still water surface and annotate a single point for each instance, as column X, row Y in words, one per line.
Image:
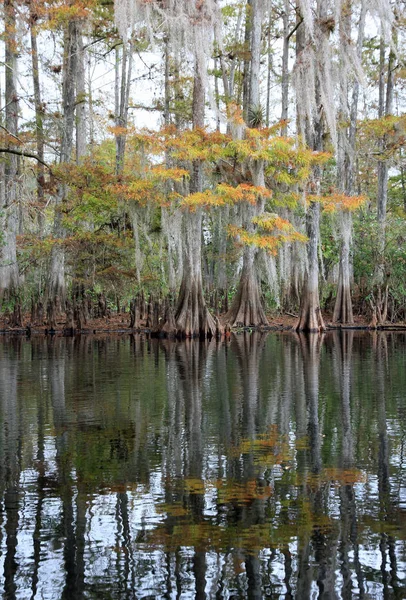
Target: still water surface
column 268, row 466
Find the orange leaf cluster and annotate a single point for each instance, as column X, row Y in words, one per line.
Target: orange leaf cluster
column 338, row 202
column 226, row 194
column 277, row 231
column 243, row 192
column 161, row 173
column 201, row 199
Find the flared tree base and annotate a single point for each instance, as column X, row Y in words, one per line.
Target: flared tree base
column 246, row 309
column 343, row 307
column 310, row 317
column 192, row 317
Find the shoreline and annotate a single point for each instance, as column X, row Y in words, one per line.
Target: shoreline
column 117, row 325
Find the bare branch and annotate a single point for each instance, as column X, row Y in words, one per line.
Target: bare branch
column 26, row 154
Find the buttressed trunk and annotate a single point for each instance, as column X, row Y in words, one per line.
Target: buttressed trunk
column 346, row 163
column 246, row 309
column 310, row 318
column 192, row 317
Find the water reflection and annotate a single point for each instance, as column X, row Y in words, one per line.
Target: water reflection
column 264, row 466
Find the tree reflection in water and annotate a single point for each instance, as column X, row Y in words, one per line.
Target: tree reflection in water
column 263, row 466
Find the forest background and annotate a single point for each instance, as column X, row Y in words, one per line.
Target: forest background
column 269, row 179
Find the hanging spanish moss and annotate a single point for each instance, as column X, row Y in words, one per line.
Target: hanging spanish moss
column 189, row 24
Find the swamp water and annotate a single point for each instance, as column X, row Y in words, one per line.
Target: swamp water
column 267, row 466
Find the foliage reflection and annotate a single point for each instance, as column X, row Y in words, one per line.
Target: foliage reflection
column 264, row 466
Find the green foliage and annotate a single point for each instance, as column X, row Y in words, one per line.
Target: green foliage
column 256, row 116
column 366, row 255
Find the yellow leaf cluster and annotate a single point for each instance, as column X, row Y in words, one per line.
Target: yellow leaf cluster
column 117, row 130
column 201, row 199
column 275, row 231
column 338, row 202
column 272, row 222
column 269, row 243
column 243, row 192
column 234, row 114
column 161, row 173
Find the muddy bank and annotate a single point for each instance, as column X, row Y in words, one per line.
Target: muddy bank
column 120, row 323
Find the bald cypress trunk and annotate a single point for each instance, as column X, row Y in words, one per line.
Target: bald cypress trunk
column 56, row 287
column 246, row 308
column 343, row 305
column 246, row 69
column 81, row 112
column 192, row 316
column 343, row 312
column 310, row 317
column 123, row 85
column 39, row 113
column 386, row 71
column 9, row 273
column 285, row 68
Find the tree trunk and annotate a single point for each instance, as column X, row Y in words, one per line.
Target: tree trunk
column 39, row 128
column 255, row 63
column 192, row 316
column 123, row 86
column 246, row 308
column 345, row 172
column 81, row 116
column 385, row 108
column 343, row 304
column 167, row 86
column 56, row 280
column 246, row 71
column 285, row 68
column 310, row 317
column 9, row 274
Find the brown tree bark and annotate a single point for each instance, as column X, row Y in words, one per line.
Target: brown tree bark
column 246, row 309
column 192, row 317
